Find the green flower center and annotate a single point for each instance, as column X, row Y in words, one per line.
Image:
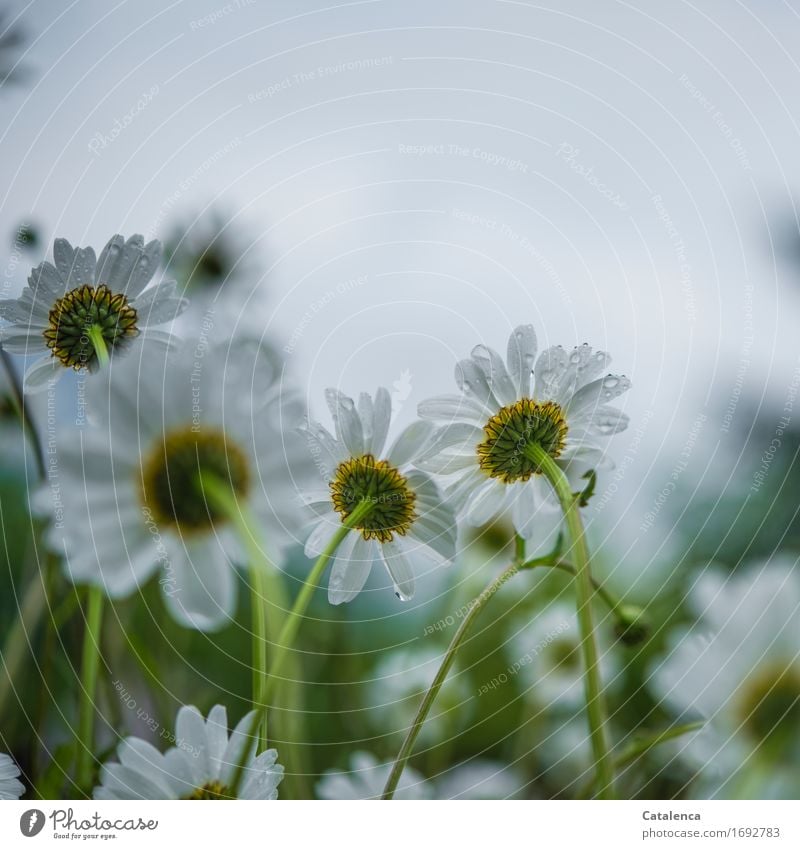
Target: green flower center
column 380, row 484
column 211, row 790
column 513, row 430
column 74, row 314
column 170, row 477
column 769, row 706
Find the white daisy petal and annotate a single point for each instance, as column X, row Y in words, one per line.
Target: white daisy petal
column 349, row 573
column 451, row 408
column 159, row 304
column 472, row 382
column 549, row 372
column 199, row 588
column 349, row 429
column 22, row 340
column 521, row 355
column 10, row 787
column 410, row 443
column 599, row 392
column 366, row 414
column 39, row 376
column 523, row 509
column 399, row 567
column 382, row 417
column 322, row 533
column 494, row 369
column 46, row 280
column 217, row 738
column 459, row 437
column 485, row 503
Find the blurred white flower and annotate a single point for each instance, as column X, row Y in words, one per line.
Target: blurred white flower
column 547, row 655
column 398, row 684
column 487, row 430
column 367, row 778
column 10, row 786
column 65, row 299
column 481, row 779
column 408, row 524
column 739, row 668
column 129, row 500
column 202, row 764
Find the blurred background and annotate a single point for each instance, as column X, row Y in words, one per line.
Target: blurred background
column 375, row 187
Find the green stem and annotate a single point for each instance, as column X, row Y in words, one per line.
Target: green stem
column 296, row 614
column 595, row 701
column 608, row 599
column 641, row 747
column 95, row 334
column 22, row 413
column 18, row 643
column 430, row 696
column 292, row 625
column 223, row 498
column 90, row 664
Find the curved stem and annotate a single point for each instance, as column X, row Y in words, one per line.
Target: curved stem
column 22, row 411
column 294, row 619
column 90, row 663
column 290, row 628
column 430, row 696
column 593, row 687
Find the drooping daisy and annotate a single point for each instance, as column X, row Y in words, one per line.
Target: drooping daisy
column 739, row 668
column 487, row 431
column 129, row 500
column 202, row 764
column 77, row 295
column 367, row 778
column 408, row 522
column 10, row 786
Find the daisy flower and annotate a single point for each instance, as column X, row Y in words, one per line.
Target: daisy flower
column 78, row 295
column 739, row 668
column 366, row 780
column 408, row 522
column 481, row 779
column 398, row 684
column 202, row 764
column 547, row 655
column 10, row 786
column 487, row 431
column 129, row 501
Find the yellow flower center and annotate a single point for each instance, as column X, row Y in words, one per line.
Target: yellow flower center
column 171, row 471
column 380, row 484
column 211, row 790
column 513, row 430
column 75, row 313
column 769, row 706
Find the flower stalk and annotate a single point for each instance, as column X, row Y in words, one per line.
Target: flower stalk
column 262, row 573
column 449, row 658
column 292, row 625
column 90, row 665
column 95, row 334
column 593, row 687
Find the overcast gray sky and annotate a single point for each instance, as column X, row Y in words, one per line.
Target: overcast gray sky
column 418, row 177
